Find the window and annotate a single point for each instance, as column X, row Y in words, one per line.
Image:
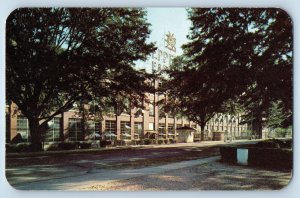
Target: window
column 171, row 128
column 54, row 130
column 151, row 126
column 75, row 129
column 125, row 130
column 151, row 109
column 22, row 127
column 110, row 126
column 162, row 130
column 110, row 130
column 94, row 127
column 138, row 130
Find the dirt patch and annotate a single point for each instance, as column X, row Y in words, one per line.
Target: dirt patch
column 213, row 176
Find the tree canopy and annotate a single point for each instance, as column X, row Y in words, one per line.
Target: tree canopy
column 56, row 56
column 240, row 55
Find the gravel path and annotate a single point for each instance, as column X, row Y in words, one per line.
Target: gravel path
column 212, row 176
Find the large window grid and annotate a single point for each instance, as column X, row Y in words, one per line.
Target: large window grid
column 125, row 130
column 171, row 131
column 94, row 129
column 138, row 130
column 151, row 110
column 23, row 128
column 53, row 133
column 75, row 129
column 110, row 130
column 161, row 131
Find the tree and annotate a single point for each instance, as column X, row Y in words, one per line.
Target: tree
column 188, row 93
column 244, row 55
column 58, row 56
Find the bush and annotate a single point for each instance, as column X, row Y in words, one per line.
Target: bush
column 85, row 145
column 146, row 141
column 53, row 147
column 105, row 143
column 136, row 142
column 271, row 158
column 172, row 141
column 17, row 139
column 268, row 144
column 228, row 154
column 18, row 148
column 283, row 143
column 160, row 141
column 153, row 141
column 67, row 145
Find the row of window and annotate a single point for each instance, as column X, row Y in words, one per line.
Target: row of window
column 75, row 129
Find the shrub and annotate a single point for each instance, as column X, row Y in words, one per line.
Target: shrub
column 228, row 154
column 24, row 147
column 147, row 141
column 283, row 143
column 67, row 145
column 136, row 142
column 271, row 158
column 268, row 144
column 18, row 148
column 52, row 147
column 17, row 139
column 105, row 143
column 85, row 145
column 160, row 141
column 172, row 141
column 11, row 148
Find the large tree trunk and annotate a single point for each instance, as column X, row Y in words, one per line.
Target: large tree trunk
column 35, row 134
column 257, row 128
column 202, row 126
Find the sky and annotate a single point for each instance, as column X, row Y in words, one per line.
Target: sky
column 164, row 20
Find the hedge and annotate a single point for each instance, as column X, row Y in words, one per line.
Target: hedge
column 273, row 158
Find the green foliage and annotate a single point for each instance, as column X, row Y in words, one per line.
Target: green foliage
column 56, row 56
column 283, row 132
column 239, row 56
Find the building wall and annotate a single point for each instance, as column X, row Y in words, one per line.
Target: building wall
column 219, row 123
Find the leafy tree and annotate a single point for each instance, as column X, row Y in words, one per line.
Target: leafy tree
column 244, row 55
column 58, row 56
column 188, row 93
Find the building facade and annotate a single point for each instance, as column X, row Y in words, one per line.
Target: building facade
column 137, row 124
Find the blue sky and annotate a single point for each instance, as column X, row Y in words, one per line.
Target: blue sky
column 164, row 20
